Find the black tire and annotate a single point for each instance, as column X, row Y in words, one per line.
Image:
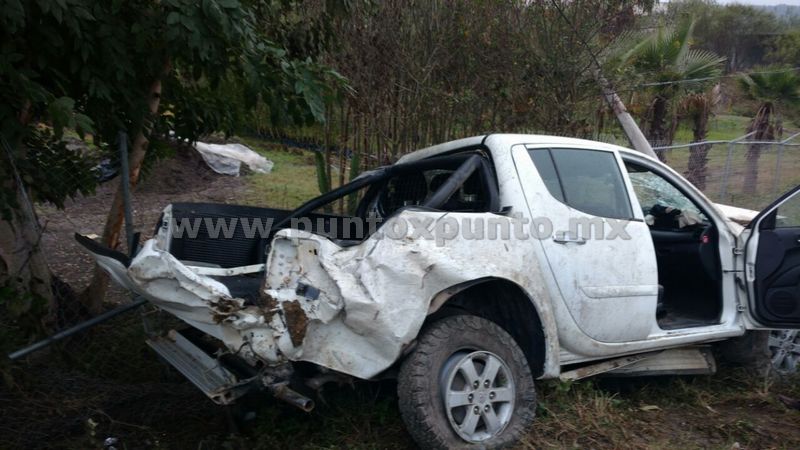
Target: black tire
column 420, row 389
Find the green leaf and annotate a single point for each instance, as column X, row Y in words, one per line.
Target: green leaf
column 173, row 18
column 61, row 114
column 13, row 16
column 189, row 23
column 57, row 13
column 83, row 124
column 229, row 4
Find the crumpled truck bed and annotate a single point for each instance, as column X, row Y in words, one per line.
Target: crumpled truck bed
column 351, row 309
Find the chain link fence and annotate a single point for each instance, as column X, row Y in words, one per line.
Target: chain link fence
column 106, row 383
column 740, row 172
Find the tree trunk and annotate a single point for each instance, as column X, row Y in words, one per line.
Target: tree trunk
column 95, row 293
column 697, row 170
column 698, row 165
column 656, row 133
column 762, row 127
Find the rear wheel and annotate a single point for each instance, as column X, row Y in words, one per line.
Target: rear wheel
column 467, row 383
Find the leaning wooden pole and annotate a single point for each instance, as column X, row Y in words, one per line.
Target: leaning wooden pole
column 629, row 126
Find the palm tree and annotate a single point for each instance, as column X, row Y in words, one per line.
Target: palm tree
column 698, row 107
column 667, row 59
column 774, row 91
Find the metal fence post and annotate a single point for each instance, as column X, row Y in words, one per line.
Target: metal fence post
column 125, row 179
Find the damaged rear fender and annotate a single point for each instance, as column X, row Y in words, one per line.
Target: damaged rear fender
column 363, row 305
column 508, row 305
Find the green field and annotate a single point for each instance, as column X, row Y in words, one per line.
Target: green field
column 720, row 128
column 725, row 127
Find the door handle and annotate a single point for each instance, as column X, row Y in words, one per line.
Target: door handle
column 566, row 239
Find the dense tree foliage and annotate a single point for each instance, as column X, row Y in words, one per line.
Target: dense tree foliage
column 424, row 72
column 674, row 67
column 139, row 66
column 785, row 48
column 740, row 33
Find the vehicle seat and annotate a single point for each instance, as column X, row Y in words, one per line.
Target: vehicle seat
column 436, row 182
column 405, row 190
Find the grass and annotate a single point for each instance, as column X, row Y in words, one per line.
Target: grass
column 721, row 127
column 293, row 179
column 724, row 127
column 665, row 412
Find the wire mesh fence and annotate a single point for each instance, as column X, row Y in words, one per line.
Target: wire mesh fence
column 106, row 382
column 740, row 172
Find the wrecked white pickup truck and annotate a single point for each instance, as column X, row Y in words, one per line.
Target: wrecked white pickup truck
column 467, row 270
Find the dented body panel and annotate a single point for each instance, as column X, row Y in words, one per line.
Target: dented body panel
column 353, row 310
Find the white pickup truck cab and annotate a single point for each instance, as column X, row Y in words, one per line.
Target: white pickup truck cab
column 467, row 270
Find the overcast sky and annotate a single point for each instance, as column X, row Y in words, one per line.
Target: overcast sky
column 763, row 2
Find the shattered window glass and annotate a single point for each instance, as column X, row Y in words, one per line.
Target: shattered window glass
column 652, row 190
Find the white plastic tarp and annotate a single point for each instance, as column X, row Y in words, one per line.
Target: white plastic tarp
column 227, row 159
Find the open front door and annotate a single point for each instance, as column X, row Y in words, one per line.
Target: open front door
column 772, row 264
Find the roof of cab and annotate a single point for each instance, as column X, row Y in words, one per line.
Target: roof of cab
column 506, row 141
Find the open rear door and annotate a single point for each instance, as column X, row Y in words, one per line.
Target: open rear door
column 772, row 264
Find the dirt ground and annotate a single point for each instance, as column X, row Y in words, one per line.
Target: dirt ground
column 108, row 384
column 182, row 178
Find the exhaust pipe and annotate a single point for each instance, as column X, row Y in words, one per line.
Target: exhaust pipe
column 292, row 397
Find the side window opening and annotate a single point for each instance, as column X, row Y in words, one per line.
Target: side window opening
column 410, row 189
column 415, row 189
column 456, row 183
column 469, row 187
column 587, row 180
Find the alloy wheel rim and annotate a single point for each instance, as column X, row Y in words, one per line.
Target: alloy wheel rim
column 784, row 346
column 478, row 394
